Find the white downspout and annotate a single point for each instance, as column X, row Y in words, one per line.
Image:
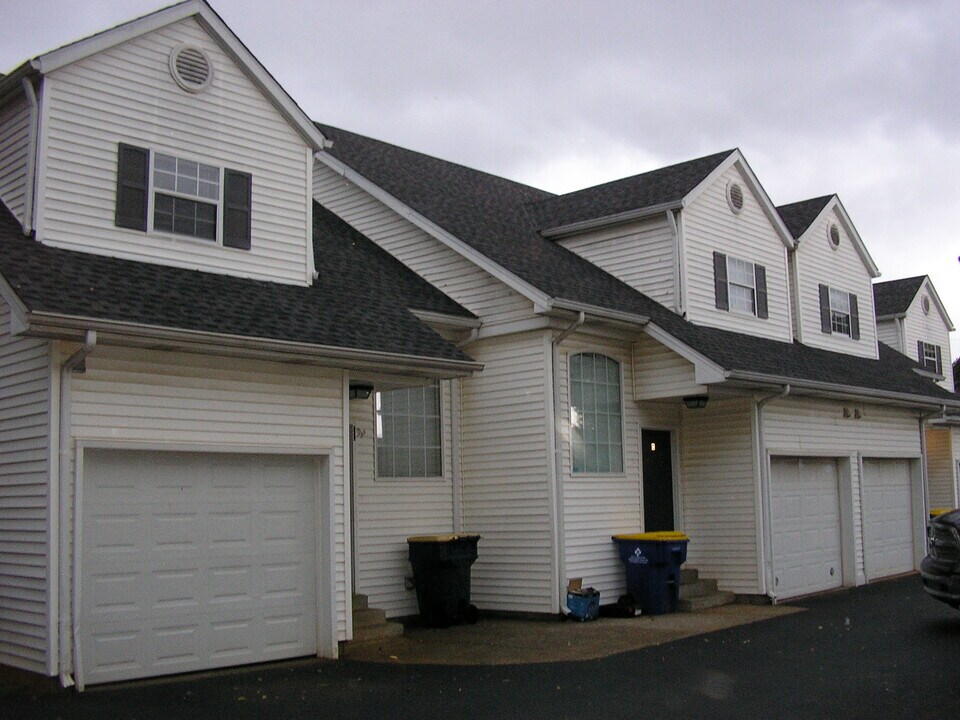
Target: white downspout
column 766, row 549
column 31, row 156
column 560, row 556
column 74, row 362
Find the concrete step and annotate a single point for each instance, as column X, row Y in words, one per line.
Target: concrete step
column 376, row 633
column 367, row 617
column 705, row 602
column 688, row 575
column 700, row 588
column 360, row 602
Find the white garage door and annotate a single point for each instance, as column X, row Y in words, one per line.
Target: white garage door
column 805, row 509
column 887, row 518
column 195, row 560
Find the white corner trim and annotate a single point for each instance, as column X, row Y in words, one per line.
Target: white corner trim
column 766, row 204
column 311, row 260
column 706, row 371
column 540, row 299
column 18, row 311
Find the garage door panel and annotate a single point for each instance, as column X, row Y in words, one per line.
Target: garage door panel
column 887, row 518
column 218, row 568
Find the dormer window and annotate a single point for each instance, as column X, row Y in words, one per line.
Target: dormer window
column 740, row 286
column 930, row 357
column 188, row 198
column 839, row 313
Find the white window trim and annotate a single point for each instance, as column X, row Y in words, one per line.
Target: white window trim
column 932, row 347
column 407, row 479
column 752, row 287
column 152, row 190
column 623, row 445
column 848, row 313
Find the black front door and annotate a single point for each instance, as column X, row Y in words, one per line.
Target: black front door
column 657, row 481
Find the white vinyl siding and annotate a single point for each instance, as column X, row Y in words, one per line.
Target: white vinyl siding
column 506, row 474
column 719, row 495
column 659, row 372
column 598, row 505
column 796, row 426
column 709, row 226
column 24, row 498
column 14, row 148
column 929, row 328
column 941, row 468
column 642, row 254
column 126, row 94
column 460, row 279
column 818, row 263
column 389, row 511
column 141, row 397
column 888, row 332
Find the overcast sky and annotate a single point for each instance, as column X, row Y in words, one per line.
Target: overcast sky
column 861, row 99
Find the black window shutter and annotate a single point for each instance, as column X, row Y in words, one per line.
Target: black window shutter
column 760, row 275
column 133, row 175
column 720, row 281
column 939, row 361
column 237, row 190
column 920, row 352
column 825, row 308
column 854, row 318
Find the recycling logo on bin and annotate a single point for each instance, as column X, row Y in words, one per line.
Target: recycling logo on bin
column 637, row 558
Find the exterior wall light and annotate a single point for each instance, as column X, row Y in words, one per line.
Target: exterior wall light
column 360, row 391
column 695, row 402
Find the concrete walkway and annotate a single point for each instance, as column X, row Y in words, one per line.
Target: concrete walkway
column 498, row 641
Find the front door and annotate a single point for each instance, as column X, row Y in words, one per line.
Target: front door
column 657, row 481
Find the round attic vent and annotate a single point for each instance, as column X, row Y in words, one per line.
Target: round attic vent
column 735, row 196
column 833, row 234
column 925, row 304
column 191, row 68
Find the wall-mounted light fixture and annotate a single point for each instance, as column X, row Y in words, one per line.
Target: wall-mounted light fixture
column 360, row 391
column 695, row 402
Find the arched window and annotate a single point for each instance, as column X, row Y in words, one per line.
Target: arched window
column 596, row 425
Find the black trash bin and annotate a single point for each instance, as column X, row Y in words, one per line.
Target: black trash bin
column 441, row 573
column 653, row 563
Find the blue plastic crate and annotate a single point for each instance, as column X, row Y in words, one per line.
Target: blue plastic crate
column 584, row 605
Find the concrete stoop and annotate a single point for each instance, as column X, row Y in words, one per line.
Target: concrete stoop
column 370, row 625
column 698, row 593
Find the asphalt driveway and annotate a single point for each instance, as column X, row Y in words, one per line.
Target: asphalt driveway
column 883, row 651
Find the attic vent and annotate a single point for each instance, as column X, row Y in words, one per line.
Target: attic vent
column 925, row 304
column 191, row 68
column 833, row 233
column 735, row 197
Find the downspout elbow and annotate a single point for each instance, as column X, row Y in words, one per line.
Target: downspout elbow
column 469, row 339
column 581, row 317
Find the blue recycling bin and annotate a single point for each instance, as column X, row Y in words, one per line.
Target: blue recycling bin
column 653, row 561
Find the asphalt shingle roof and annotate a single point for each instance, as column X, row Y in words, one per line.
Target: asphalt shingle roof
column 491, row 214
column 893, row 297
column 798, row 216
column 657, row 187
column 359, row 302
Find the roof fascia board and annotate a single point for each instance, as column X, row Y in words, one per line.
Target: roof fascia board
column 706, row 371
column 52, row 324
column 861, row 248
column 432, row 317
column 562, row 231
column 540, row 300
column 769, row 209
column 844, row 391
column 891, row 316
column 928, row 283
column 218, row 29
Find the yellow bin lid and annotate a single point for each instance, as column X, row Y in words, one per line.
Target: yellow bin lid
column 449, row 537
column 662, row 536
column 936, row 512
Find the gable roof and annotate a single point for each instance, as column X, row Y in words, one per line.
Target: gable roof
column 799, row 216
column 663, row 187
column 359, row 302
column 211, row 21
column 491, row 216
column 894, row 297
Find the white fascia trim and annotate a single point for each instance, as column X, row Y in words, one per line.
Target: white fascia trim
column 706, row 371
column 599, row 312
column 18, row 311
column 858, row 244
column 562, row 231
column 891, row 316
column 844, row 392
column 443, row 319
column 769, row 209
column 48, row 324
column 224, row 36
column 928, row 284
column 540, row 299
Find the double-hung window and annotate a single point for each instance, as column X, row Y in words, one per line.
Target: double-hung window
column 408, row 433
column 187, row 197
column 839, row 313
column 596, row 426
column 740, row 286
column 930, row 356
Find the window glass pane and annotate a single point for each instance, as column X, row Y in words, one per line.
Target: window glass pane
column 595, row 421
column 741, row 299
column 409, row 420
column 184, row 217
column 164, row 181
column 740, row 272
column 839, row 301
column 167, row 163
